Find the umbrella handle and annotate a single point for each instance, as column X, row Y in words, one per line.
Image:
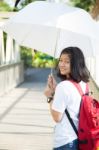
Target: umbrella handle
column 51, row 71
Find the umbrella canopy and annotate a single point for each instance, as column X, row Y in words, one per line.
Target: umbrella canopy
column 49, row 27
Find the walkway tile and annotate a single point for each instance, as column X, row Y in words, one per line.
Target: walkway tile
column 25, row 121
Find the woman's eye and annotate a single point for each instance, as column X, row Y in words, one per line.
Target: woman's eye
column 60, row 60
column 66, row 61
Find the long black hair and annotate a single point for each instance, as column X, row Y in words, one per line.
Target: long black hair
column 79, row 71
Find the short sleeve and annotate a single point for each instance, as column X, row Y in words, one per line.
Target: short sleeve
column 60, row 99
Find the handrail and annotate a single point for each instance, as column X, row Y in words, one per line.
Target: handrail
column 94, row 88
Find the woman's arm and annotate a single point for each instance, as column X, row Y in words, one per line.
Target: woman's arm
column 57, row 116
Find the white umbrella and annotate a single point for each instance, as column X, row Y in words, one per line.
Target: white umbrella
column 49, row 27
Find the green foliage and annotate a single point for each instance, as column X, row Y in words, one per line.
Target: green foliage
column 43, row 61
column 4, row 40
column 26, row 2
column 84, row 4
column 26, row 56
column 4, row 6
column 36, row 59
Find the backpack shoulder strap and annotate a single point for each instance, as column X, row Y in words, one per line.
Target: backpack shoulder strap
column 80, row 89
column 87, row 89
column 71, row 121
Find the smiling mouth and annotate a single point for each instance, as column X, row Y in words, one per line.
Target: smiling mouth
column 62, row 69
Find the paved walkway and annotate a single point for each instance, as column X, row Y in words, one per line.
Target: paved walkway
column 25, row 122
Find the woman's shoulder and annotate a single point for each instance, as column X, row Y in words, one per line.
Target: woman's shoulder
column 65, row 83
column 68, row 83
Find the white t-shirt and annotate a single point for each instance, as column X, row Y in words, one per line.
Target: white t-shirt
column 66, row 96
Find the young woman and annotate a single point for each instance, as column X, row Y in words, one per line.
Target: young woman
column 71, row 66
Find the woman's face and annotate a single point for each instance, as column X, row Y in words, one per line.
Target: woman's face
column 64, row 65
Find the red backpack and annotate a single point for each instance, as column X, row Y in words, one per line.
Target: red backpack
column 88, row 128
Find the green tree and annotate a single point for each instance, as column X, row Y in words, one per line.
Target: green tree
column 95, row 10
column 4, row 6
column 91, row 6
column 26, row 56
column 26, row 2
column 84, row 4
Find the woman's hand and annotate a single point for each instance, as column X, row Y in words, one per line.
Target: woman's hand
column 51, row 85
column 49, row 92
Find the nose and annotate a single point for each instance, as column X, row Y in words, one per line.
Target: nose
column 62, row 64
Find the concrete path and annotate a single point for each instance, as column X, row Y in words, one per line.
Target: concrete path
column 25, row 121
